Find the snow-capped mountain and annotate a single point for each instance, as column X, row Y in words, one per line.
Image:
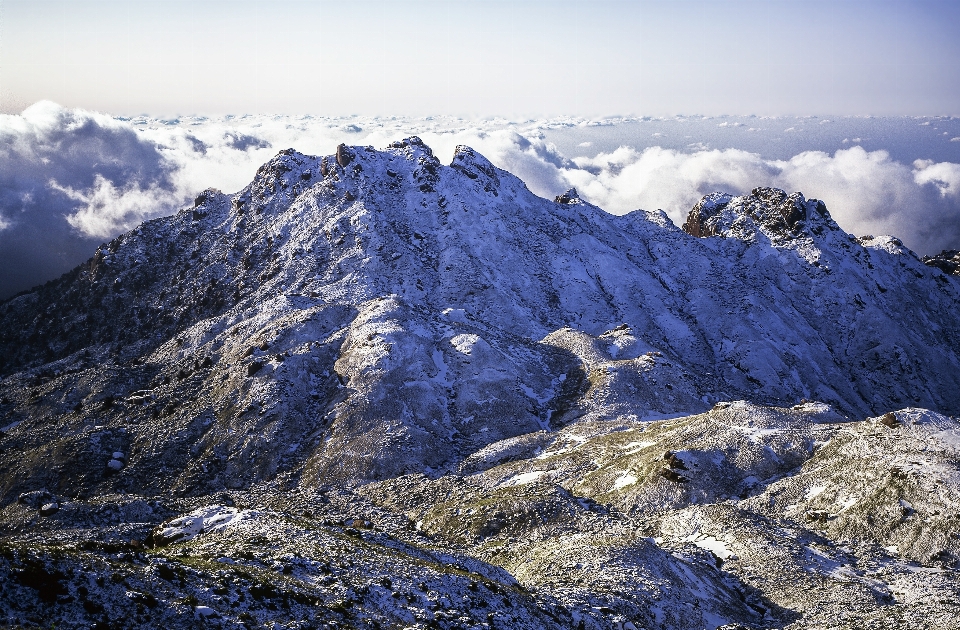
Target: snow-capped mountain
column 537, row 387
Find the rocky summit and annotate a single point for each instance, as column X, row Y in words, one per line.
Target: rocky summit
column 370, row 390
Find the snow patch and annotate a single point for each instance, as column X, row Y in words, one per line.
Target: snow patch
column 442, row 369
column 524, row 478
column 814, row 491
column 624, row 480
column 455, row 315
column 203, row 520
column 712, row 544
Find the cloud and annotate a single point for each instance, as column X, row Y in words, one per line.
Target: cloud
column 243, row 142
column 667, row 179
column 870, row 193
column 106, row 209
column 944, row 175
column 47, row 150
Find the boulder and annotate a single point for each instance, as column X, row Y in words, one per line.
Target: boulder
column 673, row 461
column 344, row 155
column 35, row 498
column 49, row 509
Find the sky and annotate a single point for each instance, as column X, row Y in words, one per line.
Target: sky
column 112, row 113
column 483, row 57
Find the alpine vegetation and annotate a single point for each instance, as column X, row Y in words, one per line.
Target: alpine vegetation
column 370, row 390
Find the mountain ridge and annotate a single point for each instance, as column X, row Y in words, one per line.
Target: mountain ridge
column 285, row 178
column 374, row 337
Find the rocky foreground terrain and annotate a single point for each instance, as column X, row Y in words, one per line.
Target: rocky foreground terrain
column 373, row 391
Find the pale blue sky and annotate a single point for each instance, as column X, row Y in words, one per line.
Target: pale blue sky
column 470, row 58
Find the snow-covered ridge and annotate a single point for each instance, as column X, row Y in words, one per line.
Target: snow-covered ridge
column 592, row 403
column 344, row 270
column 362, row 223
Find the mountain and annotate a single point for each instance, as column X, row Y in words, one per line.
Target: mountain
column 371, row 389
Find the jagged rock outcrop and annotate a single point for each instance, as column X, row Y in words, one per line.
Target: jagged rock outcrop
column 947, row 261
column 569, row 197
column 776, row 214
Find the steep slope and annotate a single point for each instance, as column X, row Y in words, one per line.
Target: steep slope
column 506, row 369
column 401, row 306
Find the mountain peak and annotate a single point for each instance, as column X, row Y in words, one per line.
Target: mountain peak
column 474, row 165
column 778, row 215
column 570, row 197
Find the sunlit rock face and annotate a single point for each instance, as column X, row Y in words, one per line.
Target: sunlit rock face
column 947, row 261
column 369, row 385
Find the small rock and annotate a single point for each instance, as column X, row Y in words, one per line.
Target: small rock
column 49, row 508
column 115, row 465
column 344, row 155
column 889, row 420
column 672, row 475
column 568, row 198
column 673, row 461
column 35, row 499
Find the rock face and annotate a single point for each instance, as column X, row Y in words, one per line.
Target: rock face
column 569, row 197
column 947, row 261
column 776, row 214
column 528, row 400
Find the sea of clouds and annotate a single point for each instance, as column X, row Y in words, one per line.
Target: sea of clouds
column 71, row 179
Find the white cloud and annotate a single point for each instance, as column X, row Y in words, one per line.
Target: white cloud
column 106, row 209
column 944, row 175
column 666, row 179
column 76, row 149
